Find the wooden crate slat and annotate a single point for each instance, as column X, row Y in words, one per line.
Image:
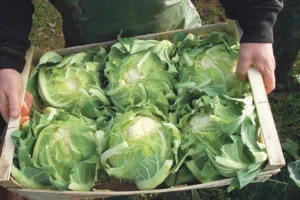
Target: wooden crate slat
column 7, row 153
column 200, row 31
column 271, row 139
column 11, row 183
column 64, row 195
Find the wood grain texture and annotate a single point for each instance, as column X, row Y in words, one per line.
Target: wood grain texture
column 265, row 117
column 64, row 195
column 7, row 152
column 200, row 31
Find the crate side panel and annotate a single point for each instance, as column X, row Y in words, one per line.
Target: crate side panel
column 62, row 195
column 200, row 31
column 7, row 152
column 270, row 135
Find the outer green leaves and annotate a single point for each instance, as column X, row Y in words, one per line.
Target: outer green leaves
column 210, row 116
column 232, row 158
column 50, row 58
column 294, row 170
column 83, row 175
column 291, row 148
column 72, row 82
column 142, row 146
column 220, row 138
column 250, row 136
column 60, row 150
column 206, row 67
column 140, row 71
column 202, row 168
column 31, row 177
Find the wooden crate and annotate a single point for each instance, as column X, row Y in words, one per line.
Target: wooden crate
column 270, row 136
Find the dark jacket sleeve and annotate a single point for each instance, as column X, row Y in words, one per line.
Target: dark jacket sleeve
column 256, row 17
column 15, row 26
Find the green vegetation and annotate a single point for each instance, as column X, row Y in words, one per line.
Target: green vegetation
column 58, row 150
column 136, row 72
column 70, row 83
column 286, row 113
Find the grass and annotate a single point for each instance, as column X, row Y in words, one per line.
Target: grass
column 47, row 34
column 286, row 113
column 210, row 11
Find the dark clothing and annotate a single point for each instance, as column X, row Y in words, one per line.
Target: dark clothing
column 92, row 21
column 286, row 41
column 256, row 18
column 2, row 126
column 15, row 26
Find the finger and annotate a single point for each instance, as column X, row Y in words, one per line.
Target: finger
column 25, row 109
column 242, row 67
column 24, row 119
column 28, row 97
column 28, row 100
column 4, row 108
column 15, row 104
column 269, row 81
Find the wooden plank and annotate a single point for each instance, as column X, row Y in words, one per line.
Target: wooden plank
column 271, row 139
column 37, row 54
column 234, row 29
column 11, row 183
column 64, row 195
column 265, row 175
column 7, row 153
column 200, row 31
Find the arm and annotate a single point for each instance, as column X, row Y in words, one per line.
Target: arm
column 15, row 26
column 256, row 18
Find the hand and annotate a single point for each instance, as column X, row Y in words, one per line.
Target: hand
column 261, row 57
column 10, row 93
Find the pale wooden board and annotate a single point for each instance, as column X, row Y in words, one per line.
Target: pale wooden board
column 13, row 124
column 63, row 195
column 234, row 29
column 37, row 54
column 11, row 183
column 271, row 139
column 200, row 31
